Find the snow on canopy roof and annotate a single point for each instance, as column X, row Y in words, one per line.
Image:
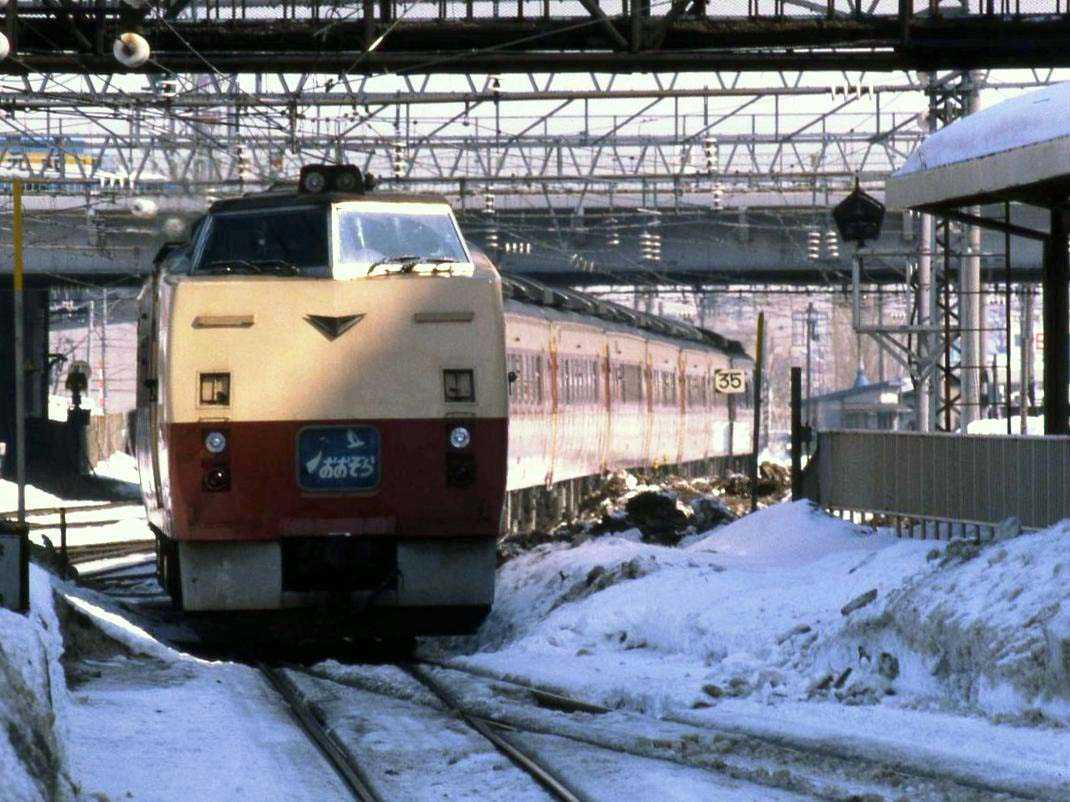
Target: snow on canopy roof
column 1020, row 142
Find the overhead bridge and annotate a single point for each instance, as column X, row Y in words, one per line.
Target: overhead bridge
column 601, row 246
column 465, row 36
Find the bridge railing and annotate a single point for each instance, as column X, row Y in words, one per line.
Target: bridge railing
column 972, row 479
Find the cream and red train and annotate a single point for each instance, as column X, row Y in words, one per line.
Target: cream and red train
column 334, row 400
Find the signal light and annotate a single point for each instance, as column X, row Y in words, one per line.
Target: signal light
column 217, row 479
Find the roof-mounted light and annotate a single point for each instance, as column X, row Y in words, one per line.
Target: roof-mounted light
column 318, row 178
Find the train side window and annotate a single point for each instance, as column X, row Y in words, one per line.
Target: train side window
column 536, row 362
column 631, row 384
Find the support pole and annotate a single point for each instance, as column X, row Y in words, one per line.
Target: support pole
column 796, row 434
column 971, row 305
column 1056, row 327
column 756, row 434
column 20, row 358
column 1007, row 298
column 1025, row 391
column 925, row 396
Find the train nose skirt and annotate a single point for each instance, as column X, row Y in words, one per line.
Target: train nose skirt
column 338, row 563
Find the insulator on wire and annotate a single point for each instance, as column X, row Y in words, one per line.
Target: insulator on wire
column 712, row 151
column 813, row 245
column 488, row 202
column 718, row 198
column 399, row 160
column 832, row 244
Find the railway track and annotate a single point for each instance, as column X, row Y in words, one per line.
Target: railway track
column 334, row 751
column 835, row 766
column 521, row 758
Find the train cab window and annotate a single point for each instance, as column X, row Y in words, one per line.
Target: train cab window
column 372, row 232
column 288, row 241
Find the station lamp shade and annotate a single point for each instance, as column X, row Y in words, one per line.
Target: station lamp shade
column 859, row 217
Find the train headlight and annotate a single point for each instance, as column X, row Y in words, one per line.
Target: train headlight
column 460, row 437
column 215, row 442
column 313, row 181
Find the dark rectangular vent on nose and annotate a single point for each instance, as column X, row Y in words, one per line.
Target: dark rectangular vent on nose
column 338, row 563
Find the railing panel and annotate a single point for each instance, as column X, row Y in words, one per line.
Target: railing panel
column 974, row 478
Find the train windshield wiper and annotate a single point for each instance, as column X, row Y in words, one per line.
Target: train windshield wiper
column 231, row 266
column 409, row 263
column 279, row 266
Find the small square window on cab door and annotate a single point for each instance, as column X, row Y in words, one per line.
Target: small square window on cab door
column 459, row 385
column 215, row 389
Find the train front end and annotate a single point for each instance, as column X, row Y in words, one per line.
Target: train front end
column 330, row 416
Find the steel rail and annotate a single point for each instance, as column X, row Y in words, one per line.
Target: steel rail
column 336, row 753
column 522, row 760
column 553, row 698
column 91, row 552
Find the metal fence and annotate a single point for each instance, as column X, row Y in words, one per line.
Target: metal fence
column 976, row 479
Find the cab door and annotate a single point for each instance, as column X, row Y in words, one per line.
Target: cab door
column 148, row 390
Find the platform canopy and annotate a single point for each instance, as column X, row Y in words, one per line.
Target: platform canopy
column 1017, row 150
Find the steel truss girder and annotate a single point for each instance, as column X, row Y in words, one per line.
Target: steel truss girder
column 315, row 38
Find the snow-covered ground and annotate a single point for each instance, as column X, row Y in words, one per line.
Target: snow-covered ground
column 951, row 662
column 793, row 624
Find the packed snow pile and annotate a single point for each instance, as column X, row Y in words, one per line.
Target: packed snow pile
column 792, row 605
column 33, row 701
column 986, row 628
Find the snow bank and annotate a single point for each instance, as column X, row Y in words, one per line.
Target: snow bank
column 988, row 632
column 790, row 605
column 687, row 618
column 33, row 701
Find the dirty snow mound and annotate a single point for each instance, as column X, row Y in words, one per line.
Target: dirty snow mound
column 33, row 701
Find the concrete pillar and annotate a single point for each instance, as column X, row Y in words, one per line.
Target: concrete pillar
column 971, row 305
column 36, row 354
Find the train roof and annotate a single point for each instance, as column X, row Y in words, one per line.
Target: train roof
column 288, row 196
column 528, row 291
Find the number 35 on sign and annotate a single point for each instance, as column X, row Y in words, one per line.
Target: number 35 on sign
column 730, row 380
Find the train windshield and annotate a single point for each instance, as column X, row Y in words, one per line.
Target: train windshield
column 386, row 237
column 289, row 241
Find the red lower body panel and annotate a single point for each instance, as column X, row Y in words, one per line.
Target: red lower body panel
column 415, row 496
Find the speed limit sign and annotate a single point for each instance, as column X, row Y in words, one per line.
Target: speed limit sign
column 730, row 380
